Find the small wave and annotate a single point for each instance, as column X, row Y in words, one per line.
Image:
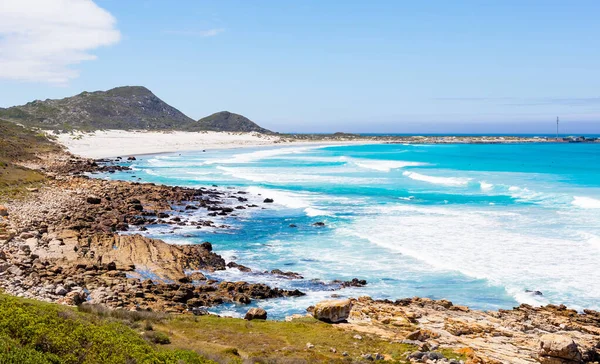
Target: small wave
column 407, row 198
column 310, row 211
column 586, row 202
column 384, row 165
column 446, row 181
column 485, row 186
column 291, row 200
column 243, row 158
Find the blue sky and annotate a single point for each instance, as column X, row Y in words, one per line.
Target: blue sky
column 326, row 66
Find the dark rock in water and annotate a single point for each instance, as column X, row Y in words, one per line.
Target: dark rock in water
column 355, row 282
column 268, row 200
column 535, row 293
column 206, row 245
column 319, row 223
column 132, row 158
column 162, row 215
column 293, row 225
column 256, row 313
column 93, row 200
column 241, row 268
column 290, row 275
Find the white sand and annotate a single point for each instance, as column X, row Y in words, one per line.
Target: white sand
column 114, row 143
column 120, row 143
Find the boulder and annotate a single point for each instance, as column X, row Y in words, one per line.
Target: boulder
column 332, row 310
column 558, row 349
column 268, row 200
column 256, row 313
column 3, row 211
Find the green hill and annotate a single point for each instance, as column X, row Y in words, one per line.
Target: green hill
column 128, row 107
column 227, row 121
column 122, row 108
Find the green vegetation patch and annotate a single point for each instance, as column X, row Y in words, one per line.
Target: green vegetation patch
column 302, row 340
column 36, row 332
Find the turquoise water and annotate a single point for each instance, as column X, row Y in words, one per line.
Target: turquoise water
column 476, row 224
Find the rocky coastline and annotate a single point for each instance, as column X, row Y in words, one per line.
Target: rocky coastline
column 77, row 239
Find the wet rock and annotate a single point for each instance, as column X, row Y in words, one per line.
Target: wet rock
column 131, row 158
column 241, row 268
column 332, row 310
column 289, row 275
column 206, row 245
column 256, row 313
column 268, row 200
column 319, row 223
column 293, row 225
column 535, row 293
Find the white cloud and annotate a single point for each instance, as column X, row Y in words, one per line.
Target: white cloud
column 198, row 33
column 40, row 40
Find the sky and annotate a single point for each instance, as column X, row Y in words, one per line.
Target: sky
column 381, row 66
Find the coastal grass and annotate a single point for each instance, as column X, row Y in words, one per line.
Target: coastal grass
column 19, row 144
column 300, row 340
column 37, row 332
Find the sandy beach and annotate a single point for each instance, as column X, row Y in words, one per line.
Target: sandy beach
column 113, row 143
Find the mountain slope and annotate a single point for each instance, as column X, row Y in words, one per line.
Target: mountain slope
column 18, row 144
column 128, row 107
column 227, row 121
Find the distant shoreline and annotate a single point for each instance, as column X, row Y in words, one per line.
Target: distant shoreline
column 114, row 143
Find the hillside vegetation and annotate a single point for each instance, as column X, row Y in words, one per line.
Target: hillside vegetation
column 122, row 108
column 227, row 121
column 19, row 144
column 33, row 332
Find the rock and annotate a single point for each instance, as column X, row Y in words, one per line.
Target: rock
column 293, row 225
column 256, row 313
column 332, row 310
column 131, row 158
column 309, row 346
column 290, row 275
column 535, row 293
column 319, row 223
column 60, row 291
column 268, row 200
column 111, row 266
column 357, row 337
column 206, row 245
column 93, row 200
column 3, row 211
column 558, row 349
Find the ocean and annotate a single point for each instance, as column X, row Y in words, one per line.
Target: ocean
column 481, row 225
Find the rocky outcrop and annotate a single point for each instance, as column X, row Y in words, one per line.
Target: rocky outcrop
column 525, row 334
column 558, row 349
column 332, row 310
column 255, row 313
column 153, row 255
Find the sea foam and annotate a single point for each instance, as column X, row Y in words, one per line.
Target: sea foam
column 446, row 181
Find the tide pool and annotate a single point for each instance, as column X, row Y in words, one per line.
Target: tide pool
column 480, row 225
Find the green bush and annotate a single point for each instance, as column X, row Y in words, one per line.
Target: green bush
column 36, row 332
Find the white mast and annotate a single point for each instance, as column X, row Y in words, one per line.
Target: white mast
column 557, row 128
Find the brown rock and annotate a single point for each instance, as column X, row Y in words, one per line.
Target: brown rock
column 558, row 349
column 332, row 310
column 256, row 313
